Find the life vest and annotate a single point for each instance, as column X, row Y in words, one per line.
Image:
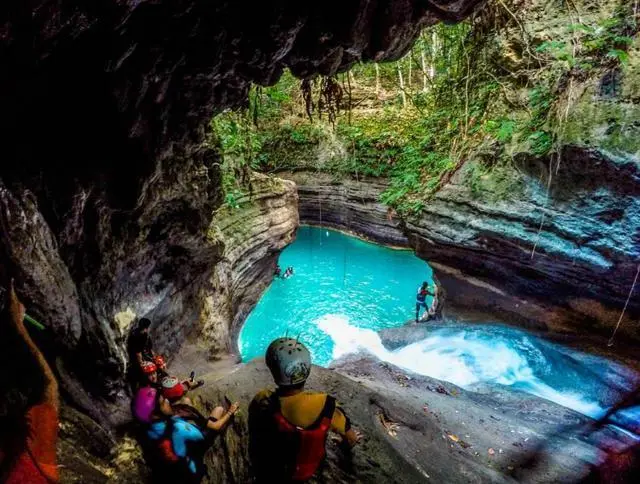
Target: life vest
column 144, row 403
column 308, row 445
column 165, row 451
column 165, row 444
column 422, row 295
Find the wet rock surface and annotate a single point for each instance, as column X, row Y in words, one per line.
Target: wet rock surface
column 87, row 453
column 253, row 234
column 417, row 429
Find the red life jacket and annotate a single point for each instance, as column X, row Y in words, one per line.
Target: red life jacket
column 307, row 444
column 165, row 446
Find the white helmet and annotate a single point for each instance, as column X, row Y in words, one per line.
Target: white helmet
column 289, row 361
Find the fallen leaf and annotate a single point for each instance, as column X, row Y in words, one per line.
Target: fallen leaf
column 453, row 437
column 491, row 451
column 391, row 427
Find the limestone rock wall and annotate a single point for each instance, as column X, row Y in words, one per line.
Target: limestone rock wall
column 253, row 236
column 351, row 205
column 569, row 272
column 89, row 274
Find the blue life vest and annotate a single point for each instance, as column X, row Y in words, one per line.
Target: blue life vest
column 182, row 433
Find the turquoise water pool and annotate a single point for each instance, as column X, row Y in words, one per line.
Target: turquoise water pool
column 344, row 290
column 339, row 276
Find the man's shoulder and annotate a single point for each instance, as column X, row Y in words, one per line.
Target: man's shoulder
column 262, row 398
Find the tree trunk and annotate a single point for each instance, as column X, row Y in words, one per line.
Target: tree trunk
column 423, row 59
column 404, row 94
column 434, row 54
column 352, row 77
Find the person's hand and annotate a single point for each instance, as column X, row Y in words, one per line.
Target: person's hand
column 16, row 308
column 353, row 437
column 234, row 408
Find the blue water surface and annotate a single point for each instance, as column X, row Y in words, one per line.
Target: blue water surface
column 344, row 290
column 334, row 274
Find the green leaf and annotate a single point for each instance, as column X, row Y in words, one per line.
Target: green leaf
column 619, row 55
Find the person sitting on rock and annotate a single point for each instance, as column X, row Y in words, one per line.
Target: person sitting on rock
column 181, row 444
column 278, row 271
column 29, row 403
column 175, row 390
column 288, row 428
column 421, row 299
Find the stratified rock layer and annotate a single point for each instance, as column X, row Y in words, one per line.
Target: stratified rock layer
column 570, row 271
column 351, row 205
column 253, row 234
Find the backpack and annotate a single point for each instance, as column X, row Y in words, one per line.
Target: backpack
column 144, row 403
column 304, row 448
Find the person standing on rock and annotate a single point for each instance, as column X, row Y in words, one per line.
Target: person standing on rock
column 421, row 299
column 288, row 428
column 141, row 348
column 29, row 403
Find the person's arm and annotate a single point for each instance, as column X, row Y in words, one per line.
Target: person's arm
column 341, row 424
column 220, row 423
column 17, row 311
column 352, row 437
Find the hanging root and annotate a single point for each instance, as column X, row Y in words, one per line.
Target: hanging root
column 307, row 96
column 544, row 207
column 610, row 343
column 329, row 98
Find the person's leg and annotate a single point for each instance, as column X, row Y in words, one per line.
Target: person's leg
column 417, row 311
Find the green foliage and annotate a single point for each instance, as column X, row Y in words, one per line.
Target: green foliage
column 607, row 38
column 481, row 90
column 238, row 143
column 619, row 55
column 502, row 129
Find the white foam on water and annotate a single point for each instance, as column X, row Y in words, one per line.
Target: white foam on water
column 459, row 358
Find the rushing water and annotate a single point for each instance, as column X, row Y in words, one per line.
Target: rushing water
column 344, row 290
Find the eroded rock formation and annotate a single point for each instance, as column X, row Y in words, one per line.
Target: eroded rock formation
column 570, row 272
column 345, row 204
column 107, row 188
column 253, row 236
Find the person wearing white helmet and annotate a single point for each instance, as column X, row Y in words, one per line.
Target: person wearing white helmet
column 289, row 426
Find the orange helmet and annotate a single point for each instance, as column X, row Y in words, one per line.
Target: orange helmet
column 148, row 367
column 159, row 361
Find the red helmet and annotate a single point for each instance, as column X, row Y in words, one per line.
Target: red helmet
column 172, row 389
column 159, row 361
column 148, row 367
